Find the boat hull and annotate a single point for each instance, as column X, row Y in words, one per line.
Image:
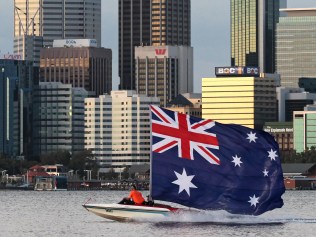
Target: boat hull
column 121, row 212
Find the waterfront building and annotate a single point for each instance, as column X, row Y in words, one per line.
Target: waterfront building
column 304, row 123
column 65, row 19
column 248, row 100
column 282, row 133
column 187, row 103
column 150, row 23
column 253, row 24
column 295, row 45
column 58, row 123
column 79, row 63
column 164, row 71
column 16, row 83
column 117, row 128
column 292, row 99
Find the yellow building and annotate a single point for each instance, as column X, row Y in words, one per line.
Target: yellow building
column 248, row 101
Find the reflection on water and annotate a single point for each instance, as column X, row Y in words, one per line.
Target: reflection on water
column 30, row 213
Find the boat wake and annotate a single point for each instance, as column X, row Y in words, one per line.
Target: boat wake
column 223, row 218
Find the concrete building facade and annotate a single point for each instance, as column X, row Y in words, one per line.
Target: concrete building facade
column 86, row 67
column 164, row 71
column 117, row 128
column 29, row 47
column 187, row 103
column 282, row 133
column 292, row 99
column 304, row 124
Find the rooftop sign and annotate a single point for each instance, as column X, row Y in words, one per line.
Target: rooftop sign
column 237, row 71
column 74, row 43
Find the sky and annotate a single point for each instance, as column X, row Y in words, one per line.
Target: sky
column 210, row 33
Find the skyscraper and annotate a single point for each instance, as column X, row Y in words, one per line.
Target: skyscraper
column 295, row 41
column 134, row 30
column 16, row 84
column 150, row 23
column 253, row 24
column 171, row 22
column 64, row 19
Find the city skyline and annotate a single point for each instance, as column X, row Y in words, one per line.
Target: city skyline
column 210, row 34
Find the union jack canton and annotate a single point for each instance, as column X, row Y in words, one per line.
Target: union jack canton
column 178, row 130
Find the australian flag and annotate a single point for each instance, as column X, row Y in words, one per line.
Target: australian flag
column 207, row 165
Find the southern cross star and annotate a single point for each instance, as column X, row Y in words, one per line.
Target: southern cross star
column 272, row 154
column 265, row 172
column 253, row 200
column 252, row 137
column 184, row 181
column 237, row 160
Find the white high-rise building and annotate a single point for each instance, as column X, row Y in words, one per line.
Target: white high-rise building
column 63, row 19
column 117, row 128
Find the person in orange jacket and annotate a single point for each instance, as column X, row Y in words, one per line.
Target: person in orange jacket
column 135, row 197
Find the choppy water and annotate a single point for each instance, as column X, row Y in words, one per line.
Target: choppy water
column 30, row 213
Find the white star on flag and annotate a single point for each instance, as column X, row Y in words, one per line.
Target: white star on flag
column 237, row 160
column 252, row 137
column 265, row 172
column 272, row 154
column 184, row 181
column 253, row 200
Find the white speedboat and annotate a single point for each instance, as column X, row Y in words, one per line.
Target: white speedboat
column 123, row 212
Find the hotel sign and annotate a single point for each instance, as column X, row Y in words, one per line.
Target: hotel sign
column 237, row 71
column 278, row 130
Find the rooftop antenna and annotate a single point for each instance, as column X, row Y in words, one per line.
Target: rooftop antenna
column 28, row 21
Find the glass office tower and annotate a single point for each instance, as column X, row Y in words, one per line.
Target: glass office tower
column 253, row 25
column 296, row 47
column 134, row 30
column 171, row 22
column 150, row 23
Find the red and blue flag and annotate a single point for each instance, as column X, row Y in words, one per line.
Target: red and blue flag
column 207, row 165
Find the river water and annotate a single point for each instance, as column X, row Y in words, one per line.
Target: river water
column 60, row 213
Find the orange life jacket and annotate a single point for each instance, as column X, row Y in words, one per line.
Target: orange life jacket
column 136, row 196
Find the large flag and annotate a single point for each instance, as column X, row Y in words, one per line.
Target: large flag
column 207, row 165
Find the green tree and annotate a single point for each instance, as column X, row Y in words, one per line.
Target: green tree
column 57, row 157
column 125, row 173
column 84, row 160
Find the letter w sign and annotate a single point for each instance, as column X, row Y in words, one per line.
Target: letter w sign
column 160, row 51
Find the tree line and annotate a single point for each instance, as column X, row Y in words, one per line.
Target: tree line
column 85, row 160
column 78, row 162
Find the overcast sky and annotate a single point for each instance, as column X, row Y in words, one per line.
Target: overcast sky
column 210, row 33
